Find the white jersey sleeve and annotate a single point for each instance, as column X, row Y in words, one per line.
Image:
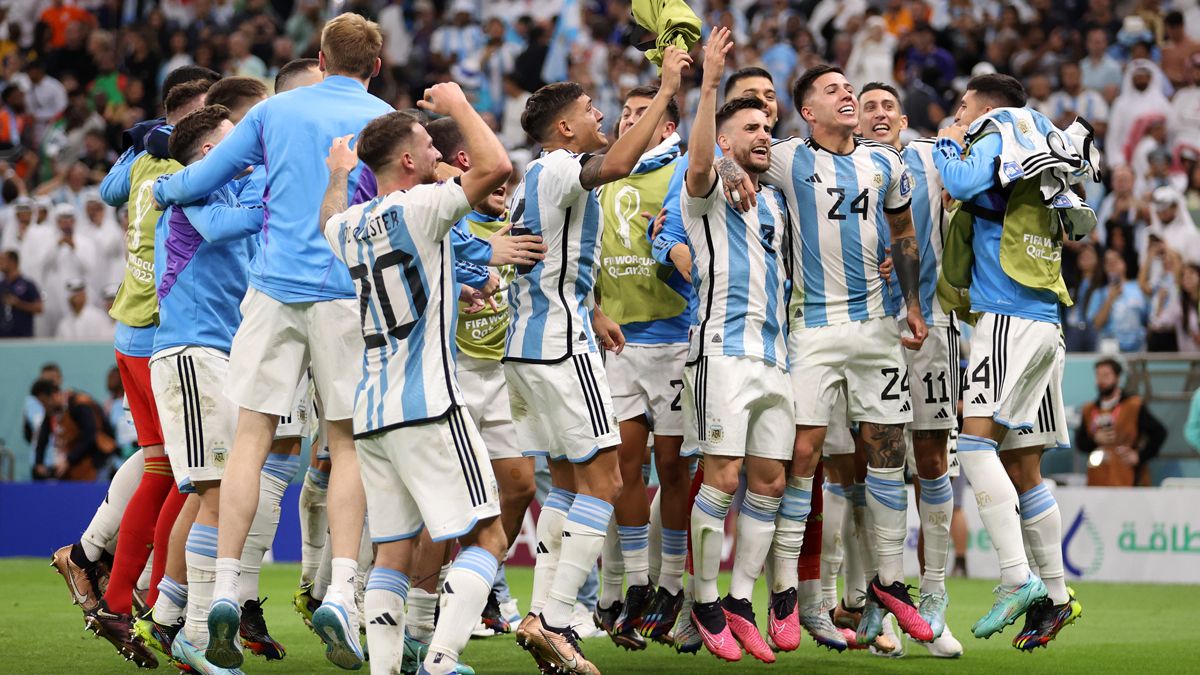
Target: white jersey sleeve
column 900, row 189
column 560, row 183
column 433, row 209
column 696, row 207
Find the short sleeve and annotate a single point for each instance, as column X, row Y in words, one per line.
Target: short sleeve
column 695, row 207
column 434, row 209
column 559, row 180
column 780, row 171
column 899, row 193
column 334, row 227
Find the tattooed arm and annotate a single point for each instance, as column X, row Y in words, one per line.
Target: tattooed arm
column 700, row 176
column 341, row 161
column 907, row 260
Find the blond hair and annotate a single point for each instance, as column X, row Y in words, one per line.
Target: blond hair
column 351, row 45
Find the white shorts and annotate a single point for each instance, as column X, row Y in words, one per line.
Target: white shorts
column 838, row 440
column 298, row 423
column 861, row 360
column 434, row 475
column 198, row 419
column 1050, row 430
column 933, row 378
column 562, row 410
column 739, row 407
column 648, row 380
column 485, row 392
column 1015, row 373
column 277, row 342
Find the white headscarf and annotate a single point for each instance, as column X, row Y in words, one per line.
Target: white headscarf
column 1132, row 104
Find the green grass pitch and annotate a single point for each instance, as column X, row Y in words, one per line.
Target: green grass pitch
column 1137, row 629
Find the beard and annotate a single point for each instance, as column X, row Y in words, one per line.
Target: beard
column 1106, row 392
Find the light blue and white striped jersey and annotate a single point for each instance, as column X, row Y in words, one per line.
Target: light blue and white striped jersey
column 739, row 275
column 402, row 264
column 930, row 220
column 550, row 303
column 837, row 205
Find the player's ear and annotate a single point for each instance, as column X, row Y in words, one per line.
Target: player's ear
column 321, row 61
column 564, row 128
column 668, row 129
column 376, row 68
column 903, row 122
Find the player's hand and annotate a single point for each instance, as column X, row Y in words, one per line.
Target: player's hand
column 916, row 325
column 675, row 60
column 608, row 332
column 739, row 189
column 444, row 171
column 720, row 41
column 886, row 266
column 955, row 132
column 681, row 257
column 341, row 155
column 474, row 303
column 656, row 227
column 523, row 249
column 444, row 98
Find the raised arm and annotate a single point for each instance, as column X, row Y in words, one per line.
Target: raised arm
column 966, row 178
column 623, row 155
column 700, row 175
column 240, row 149
column 341, row 161
column 219, row 223
column 490, row 166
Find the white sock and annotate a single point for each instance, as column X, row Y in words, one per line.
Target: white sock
column 549, row 544
column 384, row 607
column 997, row 500
column 612, row 568
column 708, row 538
column 464, row 594
column 101, row 533
column 790, row 523
column 888, row 502
column 226, row 585
column 583, row 537
column 655, row 543
column 808, row 593
column 314, row 522
column 1042, row 525
column 755, row 530
column 341, row 585
column 674, row 560
column 635, row 550
column 422, row 607
column 937, row 508
column 172, row 601
column 832, row 552
column 143, row 582
column 324, row 571
column 201, row 556
column 853, row 534
column 262, row 529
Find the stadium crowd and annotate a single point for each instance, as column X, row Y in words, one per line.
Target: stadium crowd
column 77, row 74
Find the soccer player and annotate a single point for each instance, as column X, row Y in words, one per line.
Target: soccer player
column 850, row 200
column 560, row 396
column 1013, row 383
column 202, row 261
column 423, row 462
column 150, row 513
column 735, row 383
column 933, row 372
column 655, row 314
column 479, row 240
column 299, row 311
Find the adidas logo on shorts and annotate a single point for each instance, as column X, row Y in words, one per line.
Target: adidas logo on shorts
column 941, row 415
column 979, row 400
column 907, row 407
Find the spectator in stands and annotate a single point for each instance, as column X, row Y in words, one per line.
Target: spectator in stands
column 1098, row 70
column 1118, row 312
column 58, row 16
column 1078, row 332
column 1159, row 279
column 1171, row 221
column 1141, row 94
column 83, row 320
column 1178, row 50
column 20, row 297
column 1073, row 100
column 1117, row 432
column 1185, row 107
column 45, row 96
column 1188, row 330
